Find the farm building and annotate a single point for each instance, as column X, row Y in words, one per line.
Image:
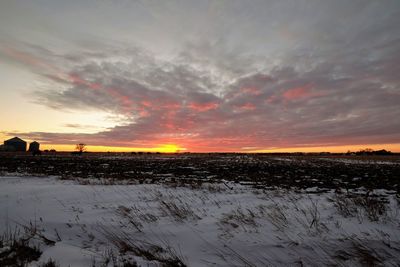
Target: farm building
column 15, row 144
column 34, row 147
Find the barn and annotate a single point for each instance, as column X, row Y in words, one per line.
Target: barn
column 15, row 144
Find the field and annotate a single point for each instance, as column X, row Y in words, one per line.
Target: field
column 199, row 210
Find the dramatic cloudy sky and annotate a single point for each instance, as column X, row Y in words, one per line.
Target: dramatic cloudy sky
column 201, row 75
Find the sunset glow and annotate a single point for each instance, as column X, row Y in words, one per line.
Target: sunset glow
column 167, row 148
column 199, row 133
column 134, row 82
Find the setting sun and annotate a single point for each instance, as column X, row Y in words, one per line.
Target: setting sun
column 169, row 148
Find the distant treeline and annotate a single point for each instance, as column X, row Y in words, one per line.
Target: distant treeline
column 369, row 151
column 362, row 152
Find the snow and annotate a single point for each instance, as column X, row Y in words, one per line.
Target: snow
column 363, row 161
column 212, row 225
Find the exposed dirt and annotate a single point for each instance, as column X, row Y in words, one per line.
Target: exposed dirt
column 375, row 172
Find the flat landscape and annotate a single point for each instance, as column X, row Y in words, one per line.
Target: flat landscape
column 199, row 210
column 199, row 133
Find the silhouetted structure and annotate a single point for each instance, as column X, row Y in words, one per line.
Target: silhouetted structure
column 34, row 147
column 15, row 144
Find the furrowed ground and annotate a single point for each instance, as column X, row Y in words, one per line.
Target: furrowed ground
column 381, row 172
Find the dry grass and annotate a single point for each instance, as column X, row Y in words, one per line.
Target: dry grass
column 357, row 251
column 133, row 220
column 374, row 207
column 351, row 205
column 49, row 263
column 276, row 215
column 166, row 255
column 239, row 218
column 16, row 250
column 180, row 212
column 235, row 258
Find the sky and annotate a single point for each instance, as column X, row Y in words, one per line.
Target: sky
column 201, row 76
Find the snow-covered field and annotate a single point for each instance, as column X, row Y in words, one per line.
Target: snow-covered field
column 208, row 225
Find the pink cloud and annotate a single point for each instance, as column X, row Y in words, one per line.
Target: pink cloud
column 301, row 93
column 146, row 103
column 247, row 107
column 202, row 107
column 251, row 91
column 75, row 79
column 29, row 59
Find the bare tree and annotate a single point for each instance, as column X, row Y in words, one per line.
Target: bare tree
column 80, row 148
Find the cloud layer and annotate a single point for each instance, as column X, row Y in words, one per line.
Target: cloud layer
column 306, row 73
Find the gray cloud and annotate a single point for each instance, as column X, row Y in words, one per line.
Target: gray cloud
column 265, row 74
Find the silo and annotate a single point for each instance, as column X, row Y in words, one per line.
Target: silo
column 34, row 147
